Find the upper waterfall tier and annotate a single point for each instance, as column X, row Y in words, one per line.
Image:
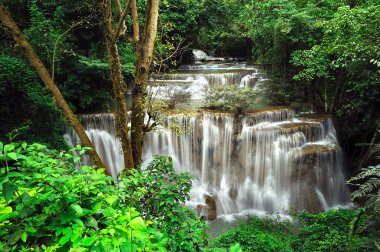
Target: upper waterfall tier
column 195, row 78
column 267, row 160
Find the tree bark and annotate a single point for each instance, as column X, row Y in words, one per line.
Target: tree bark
column 119, row 87
column 144, row 47
column 19, row 38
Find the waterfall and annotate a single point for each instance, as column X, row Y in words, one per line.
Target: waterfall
column 268, row 160
column 101, row 130
column 195, row 78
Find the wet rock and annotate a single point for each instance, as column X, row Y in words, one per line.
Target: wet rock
column 210, row 207
column 304, row 184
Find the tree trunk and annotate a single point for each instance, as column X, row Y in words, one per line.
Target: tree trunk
column 9, row 23
column 119, row 87
column 144, row 46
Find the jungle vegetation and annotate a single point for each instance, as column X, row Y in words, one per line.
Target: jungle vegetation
column 321, row 55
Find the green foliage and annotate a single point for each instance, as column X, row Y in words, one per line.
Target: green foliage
column 46, row 205
column 172, row 99
column 257, row 234
column 335, row 230
column 74, row 28
column 370, row 188
column 368, row 183
column 219, row 29
column 24, row 104
column 330, row 231
column 342, row 69
column 158, row 193
column 230, row 98
column 177, row 26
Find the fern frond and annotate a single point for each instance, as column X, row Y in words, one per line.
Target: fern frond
column 371, row 171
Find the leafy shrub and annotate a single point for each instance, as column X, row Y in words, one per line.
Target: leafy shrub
column 158, row 193
column 172, row 99
column 46, row 205
column 230, row 98
column 330, row 231
column 259, row 235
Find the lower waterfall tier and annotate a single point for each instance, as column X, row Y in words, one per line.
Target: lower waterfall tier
column 268, row 161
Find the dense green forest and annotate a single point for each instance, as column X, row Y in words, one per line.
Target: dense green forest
column 321, row 56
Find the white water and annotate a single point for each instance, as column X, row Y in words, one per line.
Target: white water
column 195, row 78
column 199, row 54
column 267, row 161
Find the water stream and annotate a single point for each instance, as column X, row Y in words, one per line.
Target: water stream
column 267, row 161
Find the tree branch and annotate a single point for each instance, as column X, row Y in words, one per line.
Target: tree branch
column 107, row 15
column 135, row 22
column 121, row 27
column 149, row 128
column 56, row 44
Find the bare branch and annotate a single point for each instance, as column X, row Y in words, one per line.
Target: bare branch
column 75, row 25
column 121, row 27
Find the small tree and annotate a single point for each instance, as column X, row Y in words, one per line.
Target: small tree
column 230, row 98
column 143, row 42
column 172, row 99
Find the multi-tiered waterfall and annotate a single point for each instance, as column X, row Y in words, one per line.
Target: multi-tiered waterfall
column 269, row 160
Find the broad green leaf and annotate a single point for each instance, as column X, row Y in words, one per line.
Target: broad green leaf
column 67, row 230
column 8, row 148
column 63, row 240
column 236, row 248
column 123, row 231
column 12, row 155
column 141, row 235
column 138, row 224
column 79, row 222
column 4, row 217
column 88, row 241
column 109, row 212
column 6, row 210
column 112, row 199
column 97, row 207
column 76, row 208
column 112, row 231
column 31, row 230
column 24, row 236
column 91, row 222
column 8, row 191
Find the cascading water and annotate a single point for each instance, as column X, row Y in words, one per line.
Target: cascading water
column 195, row 78
column 268, row 161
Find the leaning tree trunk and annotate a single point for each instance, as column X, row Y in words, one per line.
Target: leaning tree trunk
column 144, row 47
column 17, row 35
column 119, row 87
